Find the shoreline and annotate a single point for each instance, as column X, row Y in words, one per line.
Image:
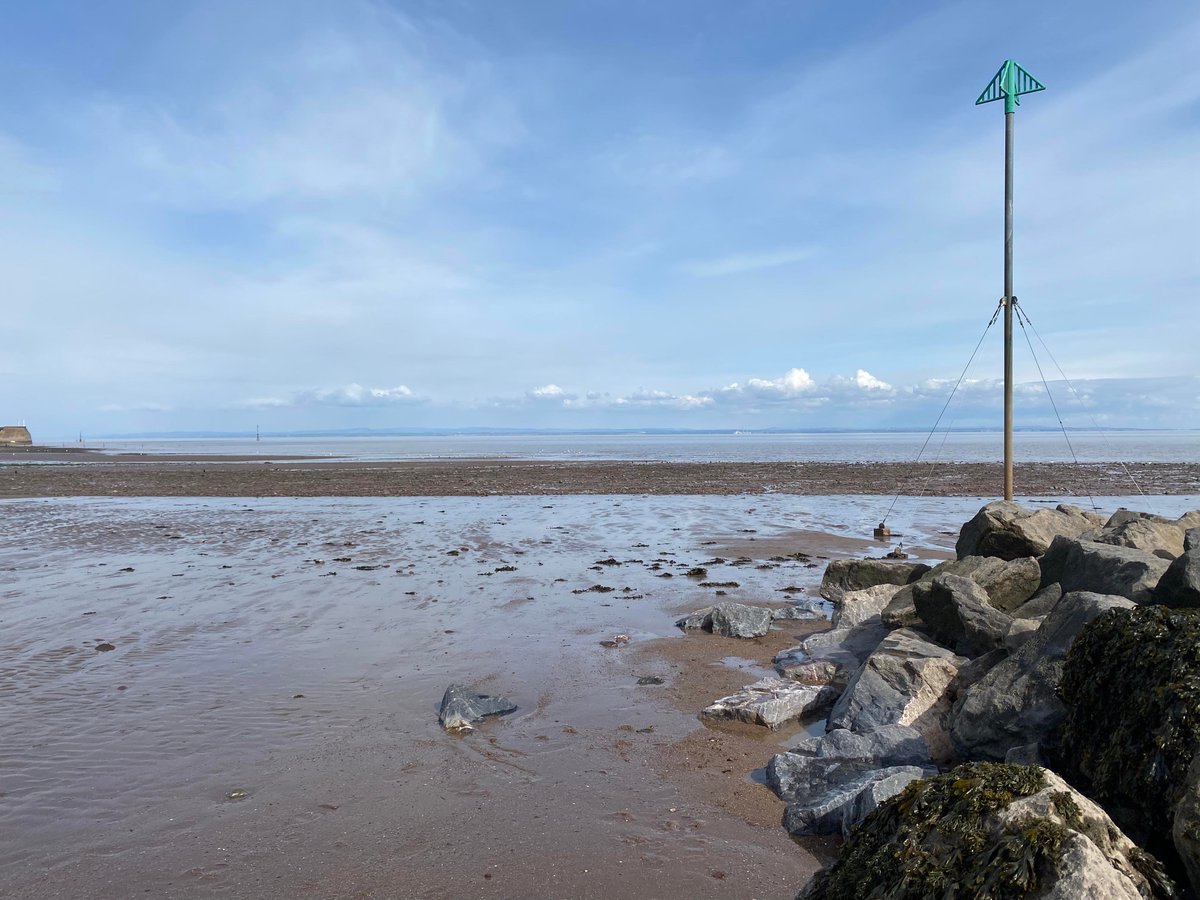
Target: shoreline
column 191, row 476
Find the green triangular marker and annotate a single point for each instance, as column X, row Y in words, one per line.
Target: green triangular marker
column 1010, row 83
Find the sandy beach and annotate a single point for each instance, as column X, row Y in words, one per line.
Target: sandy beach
column 75, row 474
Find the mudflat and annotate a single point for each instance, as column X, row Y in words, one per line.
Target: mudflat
column 93, row 474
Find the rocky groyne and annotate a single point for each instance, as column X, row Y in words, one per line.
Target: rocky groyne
column 1022, row 721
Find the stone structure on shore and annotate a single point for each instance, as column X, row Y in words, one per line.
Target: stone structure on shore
column 15, row 436
column 1051, row 673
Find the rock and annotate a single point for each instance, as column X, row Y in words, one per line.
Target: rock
column 905, row 681
column 1189, row 520
column 462, row 707
column 1019, row 631
column 856, row 574
column 1131, row 690
column 1026, row 755
column 1016, row 702
column 1125, row 515
column 773, row 702
column 856, row 607
column 1041, row 604
column 1180, row 584
column 739, row 620
column 1185, row 827
column 844, row 806
column 1161, row 538
column 956, row 611
column 701, row 618
column 1008, row 530
column 830, row 657
column 989, row 830
column 644, row 680
column 901, row 610
column 972, row 671
column 1080, row 565
column 805, row 608
column 1191, row 539
column 819, row 763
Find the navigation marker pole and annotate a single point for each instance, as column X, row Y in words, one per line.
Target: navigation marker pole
column 1009, row 83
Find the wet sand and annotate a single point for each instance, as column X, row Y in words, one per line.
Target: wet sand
column 92, row 474
column 265, row 727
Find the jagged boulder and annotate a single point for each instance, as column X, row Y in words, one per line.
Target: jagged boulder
column 830, row 657
column 1152, row 535
column 1017, row 702
column 1008, row 530
column 989, row 830
column 856, row 607
column 772, row 702
column 1180, row 584
column 906, row 681
column 1080, row 565
column 955, row 610
column 461, row 707
column 1007, row 583
column 856, row 574
column 1040, row 604
column 740, row 621
column 843, row 806
column 821, row 762
column 1131, row 690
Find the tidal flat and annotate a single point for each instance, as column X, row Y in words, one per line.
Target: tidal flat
column 239, row 696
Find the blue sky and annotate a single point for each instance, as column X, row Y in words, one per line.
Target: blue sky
column 589, row 214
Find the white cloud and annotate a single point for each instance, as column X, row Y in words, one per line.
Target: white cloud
column 547, row 390
column 747, row 262
column 869, row 382
column 352, row 394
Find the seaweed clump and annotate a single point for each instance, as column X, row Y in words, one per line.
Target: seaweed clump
column 937, row 839
column 1131, row 685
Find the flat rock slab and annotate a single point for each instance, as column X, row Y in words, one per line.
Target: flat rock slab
column 462, row 707
column 841, row 808
column 819, row 763
column 772, row 702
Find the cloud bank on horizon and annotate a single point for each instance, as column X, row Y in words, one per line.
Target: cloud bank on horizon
column 559, row 214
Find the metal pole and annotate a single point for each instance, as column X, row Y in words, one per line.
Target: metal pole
column 1008, row 304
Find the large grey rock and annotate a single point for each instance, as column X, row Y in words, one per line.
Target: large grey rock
column 1124, row 515
column 1189, row 520
column 701, row 618
column 1040, row 604
column 973, row 671
column 830, row 657
column 772, row 702
column 842, row 807
column 1191, row 539
column 1161, row 538
column 856, row 607
column 955, row 610
column 740, row 621
column 821, row 762
column 1007, row 583
column 1016, row 702
column 1008, row 530
column 1080, row 565
column 462, row 707
column 1180, row 584
column 1019, row 631
column 806, row 608
column 901, row 610
column 1185, row 829
column 855, row 574
column 906, row 681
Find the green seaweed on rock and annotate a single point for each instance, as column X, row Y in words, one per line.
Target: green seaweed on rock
column 1131, row 685
column 931, row 840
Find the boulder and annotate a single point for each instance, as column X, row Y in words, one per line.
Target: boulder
column 830, row 657
column 1008, row 530
column 1189, row 520
column 856, row 607
column 1007, row 584
column 1027, row 755
column 1019, row 631
column 701, row 618
column 989, row 830
column 955, row 610
column 1124, row 515
column 906, row 681
column 462, row 707
column 806, row 608
column 855, row 574
column 1016, row 702
column 1185, row 826
column 842, row 807
column 1131, row 733
column 1161, row 538
column 1180, row 584
column 1041, row 603
column 773, row 702
column 739, row 620
column 1080, row 565
column 972, row 671
column 821, row 762
column 901, row 610
column 1191, row 539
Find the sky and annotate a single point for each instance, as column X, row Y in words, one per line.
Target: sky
column 570, row 214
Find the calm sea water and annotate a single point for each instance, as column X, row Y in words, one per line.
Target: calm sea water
column 1160, row 446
